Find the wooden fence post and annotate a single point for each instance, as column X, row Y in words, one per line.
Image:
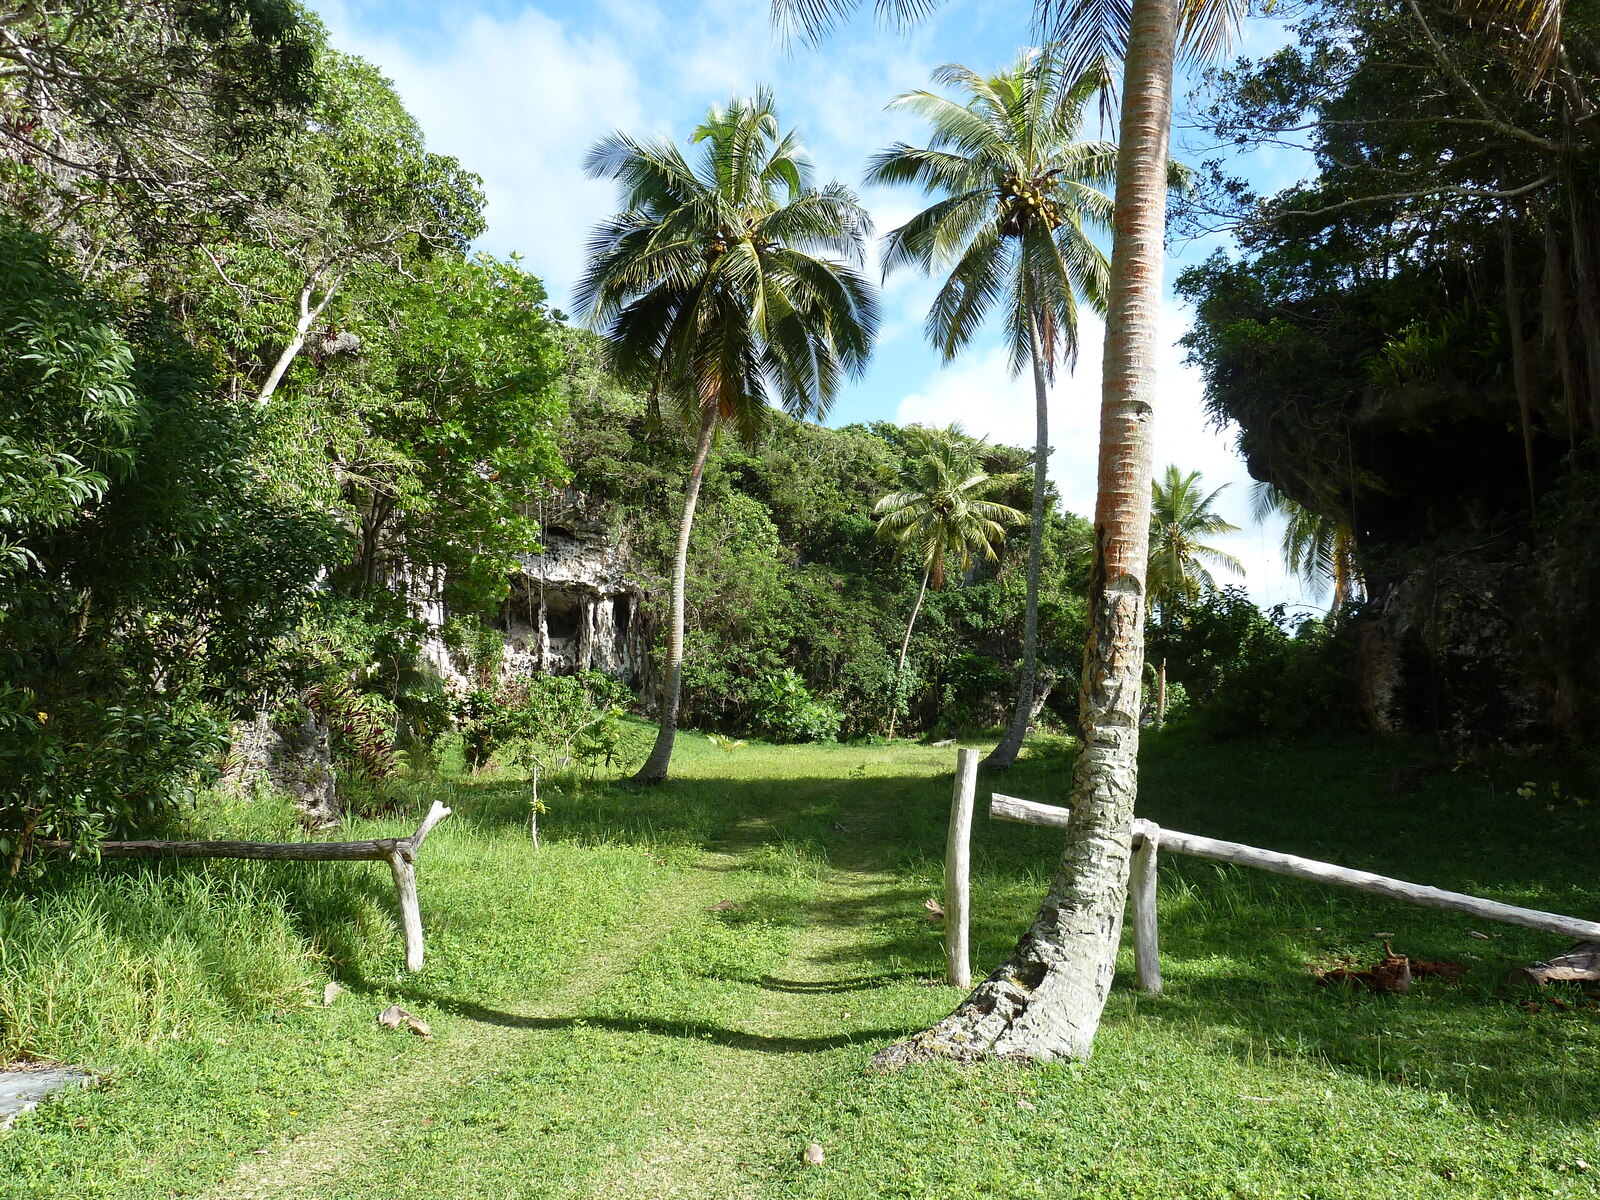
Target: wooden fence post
column 1142, row 891
column 958, row 870
column 405, row 886
column 400, row 853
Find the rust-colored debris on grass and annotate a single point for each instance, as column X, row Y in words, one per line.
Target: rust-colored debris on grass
column 1394, row 973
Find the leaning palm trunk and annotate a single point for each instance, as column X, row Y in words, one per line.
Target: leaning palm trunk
column 1003, row 755
column 1045, row 1000
column 655, row 767
column 905, row 647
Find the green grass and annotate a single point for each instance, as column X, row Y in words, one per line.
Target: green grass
column 602, row 1029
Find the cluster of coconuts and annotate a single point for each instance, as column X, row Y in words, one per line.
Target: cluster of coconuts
column 1025, row 203
column 717, row 245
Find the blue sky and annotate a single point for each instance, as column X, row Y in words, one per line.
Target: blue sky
column 518, row 91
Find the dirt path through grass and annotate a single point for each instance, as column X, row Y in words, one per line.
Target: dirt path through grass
column 662, row 1066
column 467, row 1047
column 734, row 1132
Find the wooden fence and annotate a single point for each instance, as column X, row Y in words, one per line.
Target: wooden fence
column 1149, row 838
column 400, row 853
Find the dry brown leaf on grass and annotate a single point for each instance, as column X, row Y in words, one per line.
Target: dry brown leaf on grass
column 394, row 1016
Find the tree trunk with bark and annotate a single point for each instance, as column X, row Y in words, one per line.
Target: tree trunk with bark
column 655, row 767
column 1045, row 1000
column 1519, row 356
column 1003, row 755
column 905, row 647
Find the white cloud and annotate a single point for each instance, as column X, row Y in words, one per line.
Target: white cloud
column 519, row 101
column 980, row 393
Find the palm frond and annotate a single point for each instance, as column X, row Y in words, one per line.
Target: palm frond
column 730, row 277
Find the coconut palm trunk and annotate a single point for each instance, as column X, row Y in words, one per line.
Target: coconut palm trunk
column 1003, row 755
column 655, row 767
column 1344, row 584
column 905, row 647
column 1045, row 1000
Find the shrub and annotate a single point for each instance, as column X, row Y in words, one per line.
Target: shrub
column 1244, row 670
column 787, row 712
column 547, row 721
column 147, row 570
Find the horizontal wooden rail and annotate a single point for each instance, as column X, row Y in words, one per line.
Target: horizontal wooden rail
column 399, row 853
column 1027, row 812
column 375, row 850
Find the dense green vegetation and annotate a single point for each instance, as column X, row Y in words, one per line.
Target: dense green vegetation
column 278, row 452
column 1410, row 343
column 253, row 441
column 601, row 1026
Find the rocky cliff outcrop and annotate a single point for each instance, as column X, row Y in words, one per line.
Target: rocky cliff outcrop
column 292, row 757
column 573, row 608
column 1483, row 620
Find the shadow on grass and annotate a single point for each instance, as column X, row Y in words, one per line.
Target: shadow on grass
column 835, row 987
column 1237, row 943
column 690, row 1030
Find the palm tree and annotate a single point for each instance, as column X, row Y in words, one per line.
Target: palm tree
column 1045, row 1000
column 1180, row 515
column 939, row 513
column 722, row 281
column 1018, row 197
column 1321, row 550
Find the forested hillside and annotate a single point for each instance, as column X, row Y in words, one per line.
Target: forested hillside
column 271, row 427
column 787, row 573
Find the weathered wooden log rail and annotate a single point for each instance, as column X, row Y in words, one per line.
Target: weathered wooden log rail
column 399, row 853
column 1148, row 838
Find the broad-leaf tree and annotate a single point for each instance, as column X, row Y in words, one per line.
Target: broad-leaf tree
column 361, row 195
column 725, row 280
column 148, row 121
column 146, row 568
column 1018, row 197
column 940, row 514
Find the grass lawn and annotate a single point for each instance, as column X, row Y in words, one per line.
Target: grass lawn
column 683, row 986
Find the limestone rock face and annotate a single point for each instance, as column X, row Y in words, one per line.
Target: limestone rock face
column 1481, row 619
column 1486, row 643
column 573, row 608
column 295, row 759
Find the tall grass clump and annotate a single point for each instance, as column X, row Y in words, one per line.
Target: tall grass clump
column 140, row 956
